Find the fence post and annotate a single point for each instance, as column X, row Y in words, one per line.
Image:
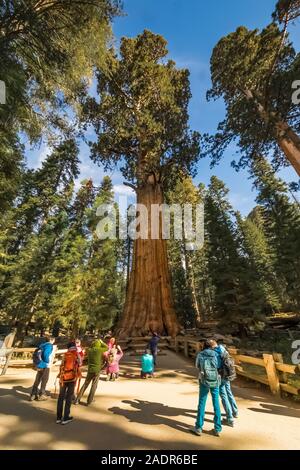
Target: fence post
column 282, row 375
column 8, row 358
column 272, row 374
column 186, row 348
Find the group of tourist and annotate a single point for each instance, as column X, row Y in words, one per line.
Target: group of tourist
column 101, row 356
column 216, row 371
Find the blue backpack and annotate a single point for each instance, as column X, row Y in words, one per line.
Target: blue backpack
column 37, row 357
column 209, row 372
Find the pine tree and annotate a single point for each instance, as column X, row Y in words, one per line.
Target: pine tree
column 259, row 253
column 281, row 221
column 32, row 231
column 182, row 259
column 237, row 294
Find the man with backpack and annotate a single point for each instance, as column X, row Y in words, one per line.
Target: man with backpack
column 42, row 360
column 208, row 362
column 228, row 374
column 95, row 364
column 68, row 374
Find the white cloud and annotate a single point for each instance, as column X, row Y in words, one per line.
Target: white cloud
column 123, row 190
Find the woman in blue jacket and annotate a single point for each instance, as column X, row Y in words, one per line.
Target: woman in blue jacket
column 43, row 370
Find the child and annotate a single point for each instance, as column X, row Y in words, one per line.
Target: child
column 113, row 359
column 147, row 364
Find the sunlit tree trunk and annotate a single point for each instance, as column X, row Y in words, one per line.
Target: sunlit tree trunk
column 149, row 303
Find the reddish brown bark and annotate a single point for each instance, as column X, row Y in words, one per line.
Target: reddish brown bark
column 289, row 143
column 149, row 303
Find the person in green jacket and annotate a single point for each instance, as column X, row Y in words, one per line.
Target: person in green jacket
column 95, row 364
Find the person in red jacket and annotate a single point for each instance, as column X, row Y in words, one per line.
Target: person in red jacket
column 79, row 348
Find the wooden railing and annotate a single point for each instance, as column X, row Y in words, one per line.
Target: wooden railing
column 12, row 357
column 275, row 373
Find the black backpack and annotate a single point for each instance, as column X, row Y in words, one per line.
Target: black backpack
column 228, row 369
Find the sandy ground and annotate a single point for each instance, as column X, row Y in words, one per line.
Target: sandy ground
column 143, row 414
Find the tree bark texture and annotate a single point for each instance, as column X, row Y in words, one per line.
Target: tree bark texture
column 149, row 304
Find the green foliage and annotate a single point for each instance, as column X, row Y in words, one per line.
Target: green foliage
column 253, row 72
column 142, row 117
column 48, row 51
column 238, row 297
column 281, row 223
column 182, row 260
column 287, row 10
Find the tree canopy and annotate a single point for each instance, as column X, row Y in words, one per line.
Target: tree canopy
column 253, row 71
column 142, row 118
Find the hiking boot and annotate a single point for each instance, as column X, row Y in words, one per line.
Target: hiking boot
column 42, row 398
column 215, row 433
column 228, row 422
column 68, row 420
column 58, row 421
column 33, row 397
column 196, row 431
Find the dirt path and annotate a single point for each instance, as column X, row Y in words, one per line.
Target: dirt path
column 143, row 414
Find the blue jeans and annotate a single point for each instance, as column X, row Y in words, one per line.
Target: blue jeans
column 204, row 390
column 228, row 400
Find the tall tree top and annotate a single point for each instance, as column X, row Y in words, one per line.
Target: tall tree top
column 142, row 116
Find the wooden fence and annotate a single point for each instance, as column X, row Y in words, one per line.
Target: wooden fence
column 275, row 372
column 18, row 357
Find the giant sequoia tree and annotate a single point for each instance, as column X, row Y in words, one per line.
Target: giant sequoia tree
column 254, row 72
column 142, row 121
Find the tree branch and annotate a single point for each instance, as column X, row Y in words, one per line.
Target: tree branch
column 130, row 185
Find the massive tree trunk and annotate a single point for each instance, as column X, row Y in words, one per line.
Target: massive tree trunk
column 287, row 139
column 149, row 304
column 289, row 143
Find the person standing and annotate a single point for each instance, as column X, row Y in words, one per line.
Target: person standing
column 153, row 346
column 208, row 363
column 68, row 374
column 227, row 375
column 95, row 364
column 43, row 358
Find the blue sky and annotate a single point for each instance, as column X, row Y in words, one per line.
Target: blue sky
column 192, row 28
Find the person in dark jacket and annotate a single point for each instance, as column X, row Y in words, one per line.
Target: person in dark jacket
column 227, row 397
column 153, row 346
column 95, row 364
column 43, row 370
